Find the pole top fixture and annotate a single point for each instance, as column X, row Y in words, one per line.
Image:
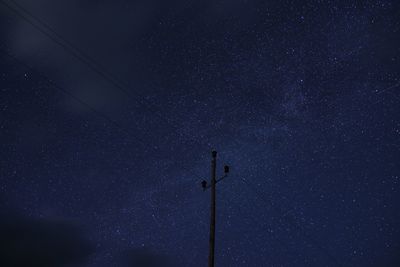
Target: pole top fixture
column 226, row 169
column 204, row 184
column 214, row 154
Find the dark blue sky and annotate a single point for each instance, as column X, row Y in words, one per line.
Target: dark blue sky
column 110, row 109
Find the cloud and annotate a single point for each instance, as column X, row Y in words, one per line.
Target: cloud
column 125, row 37
column 27, row 242
column 104, row 31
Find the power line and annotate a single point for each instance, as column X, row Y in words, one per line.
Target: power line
column 48, row 31
column 68, row 93
column 123, row 129
column 98, row 113
column 97, row 68
column 57, row 38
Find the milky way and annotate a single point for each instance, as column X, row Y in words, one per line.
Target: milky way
column 109, row 115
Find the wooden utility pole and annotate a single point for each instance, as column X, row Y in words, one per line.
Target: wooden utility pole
column 213, row 208
column 214, row 181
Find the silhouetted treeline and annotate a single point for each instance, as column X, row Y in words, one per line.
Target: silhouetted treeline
column 26, row 242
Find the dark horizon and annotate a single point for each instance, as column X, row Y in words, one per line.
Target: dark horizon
column 110, row 111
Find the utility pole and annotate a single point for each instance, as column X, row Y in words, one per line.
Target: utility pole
column 214, row 181
column 213, row 208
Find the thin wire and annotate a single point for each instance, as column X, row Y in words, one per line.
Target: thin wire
column 89, row 107
column 77, row 53
column 121, row 128
column 292, row 223
column 87, row 60
column 61, row 41
column 91, row 63
column 80, row 101
column 66, row 92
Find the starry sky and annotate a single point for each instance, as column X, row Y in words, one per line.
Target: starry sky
column 110, row 111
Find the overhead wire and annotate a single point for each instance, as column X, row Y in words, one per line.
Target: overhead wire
column 66, row 92
column 48, row 31
column 98, row 113
column 120, row 127
column 97, row 68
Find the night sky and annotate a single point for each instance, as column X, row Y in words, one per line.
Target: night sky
column 109, row 111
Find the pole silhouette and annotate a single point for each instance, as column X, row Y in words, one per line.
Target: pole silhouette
column 212, row 186
column 211, row 254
